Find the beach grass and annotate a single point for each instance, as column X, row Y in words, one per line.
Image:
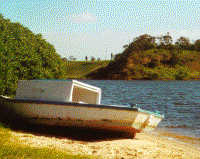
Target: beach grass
column 11, row 148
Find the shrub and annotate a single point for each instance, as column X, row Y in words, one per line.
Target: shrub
column 181, row 74
column 151, row 74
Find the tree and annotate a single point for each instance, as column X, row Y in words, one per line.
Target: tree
column 111, row 56
column 25, row 55
column 64, row 59
column 197, row 45
column 183, row 43
column 86, row 58
column 166, row 41
column 143, row 42
column 125, row 46
column 92, row 58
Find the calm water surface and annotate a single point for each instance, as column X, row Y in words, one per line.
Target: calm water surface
column 179, row 101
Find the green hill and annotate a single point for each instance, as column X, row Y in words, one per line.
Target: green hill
column 146, row 59
column 80, row 69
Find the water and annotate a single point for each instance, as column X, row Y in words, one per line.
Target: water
column 179, row 101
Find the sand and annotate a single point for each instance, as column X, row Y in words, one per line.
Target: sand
column 160, row 145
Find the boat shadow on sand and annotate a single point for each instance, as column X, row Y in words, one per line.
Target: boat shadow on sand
column 74, row 133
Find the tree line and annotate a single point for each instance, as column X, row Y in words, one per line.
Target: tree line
column 146, row 41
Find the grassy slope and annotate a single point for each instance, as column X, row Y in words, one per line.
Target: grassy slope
column 10, row 148
column 79, row 69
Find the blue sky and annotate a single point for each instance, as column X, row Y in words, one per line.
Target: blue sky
column 96, row 28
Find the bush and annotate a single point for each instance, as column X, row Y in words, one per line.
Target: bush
column 24, row 55
column 181, row 74
column 151, row 74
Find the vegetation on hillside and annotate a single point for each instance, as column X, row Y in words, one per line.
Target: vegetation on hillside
column 24, row 55
column 154, row 58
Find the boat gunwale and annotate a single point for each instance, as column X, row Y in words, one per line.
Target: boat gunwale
column 103, row 106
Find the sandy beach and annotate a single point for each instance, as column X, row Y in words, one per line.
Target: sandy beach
column 160, row 145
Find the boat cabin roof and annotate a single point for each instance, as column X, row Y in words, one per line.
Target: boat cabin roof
column 58, row 90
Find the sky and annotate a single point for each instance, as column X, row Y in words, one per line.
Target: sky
column 98, row 28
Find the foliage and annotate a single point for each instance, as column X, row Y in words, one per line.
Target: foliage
column 24, row 55
column 154, row 58
column 143, row 42
column 151, row 74
column 182, row 73
column 183, row 43
column 166, row 41
column 197, row 45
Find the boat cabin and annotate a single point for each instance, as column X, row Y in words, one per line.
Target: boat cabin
column 58, row 90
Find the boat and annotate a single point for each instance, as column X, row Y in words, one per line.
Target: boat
column 73, row 103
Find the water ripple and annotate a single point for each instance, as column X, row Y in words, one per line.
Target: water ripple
column 179, row 101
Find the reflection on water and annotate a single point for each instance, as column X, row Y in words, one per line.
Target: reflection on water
column 179, row 101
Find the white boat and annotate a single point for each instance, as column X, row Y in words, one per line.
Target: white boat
column 73, row 103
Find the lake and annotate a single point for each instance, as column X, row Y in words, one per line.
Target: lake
column 179, row 101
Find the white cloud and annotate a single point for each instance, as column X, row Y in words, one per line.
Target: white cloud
column 85, row 17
